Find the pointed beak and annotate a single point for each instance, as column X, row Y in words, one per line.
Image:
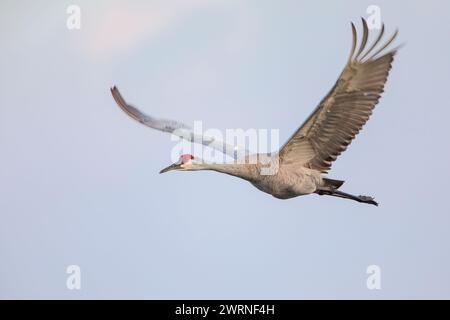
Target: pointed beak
column 174, row 166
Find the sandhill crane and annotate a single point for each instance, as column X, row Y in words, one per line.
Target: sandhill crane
column 324, row 135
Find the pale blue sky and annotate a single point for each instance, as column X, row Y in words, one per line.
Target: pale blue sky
column 79, row 180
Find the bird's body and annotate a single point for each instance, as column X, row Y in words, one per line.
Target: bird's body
column 290, row 182
column 285, row 182
column 298, row 167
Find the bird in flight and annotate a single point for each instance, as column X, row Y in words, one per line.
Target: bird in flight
column 310, row 152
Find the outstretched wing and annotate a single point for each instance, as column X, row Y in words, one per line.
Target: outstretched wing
column 343, row 112
column 176, row 128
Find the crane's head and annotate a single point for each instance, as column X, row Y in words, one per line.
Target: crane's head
column 186, row 162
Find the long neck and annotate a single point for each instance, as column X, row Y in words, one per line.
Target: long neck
column 244, row 171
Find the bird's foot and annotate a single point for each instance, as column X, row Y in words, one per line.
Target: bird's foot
column 367, row 199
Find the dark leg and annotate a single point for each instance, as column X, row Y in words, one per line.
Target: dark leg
column 340, row 194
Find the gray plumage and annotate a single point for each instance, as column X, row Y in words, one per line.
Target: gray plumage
column 310, row 152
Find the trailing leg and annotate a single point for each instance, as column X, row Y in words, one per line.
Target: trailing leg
column 340, row 194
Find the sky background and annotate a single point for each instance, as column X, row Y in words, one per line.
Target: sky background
column 79, row 182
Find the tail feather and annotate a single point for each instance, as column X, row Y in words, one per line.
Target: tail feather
column 333, row 184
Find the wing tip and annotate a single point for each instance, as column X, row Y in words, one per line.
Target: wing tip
column 354, row 40
column 365, row 36
column 364, row 22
